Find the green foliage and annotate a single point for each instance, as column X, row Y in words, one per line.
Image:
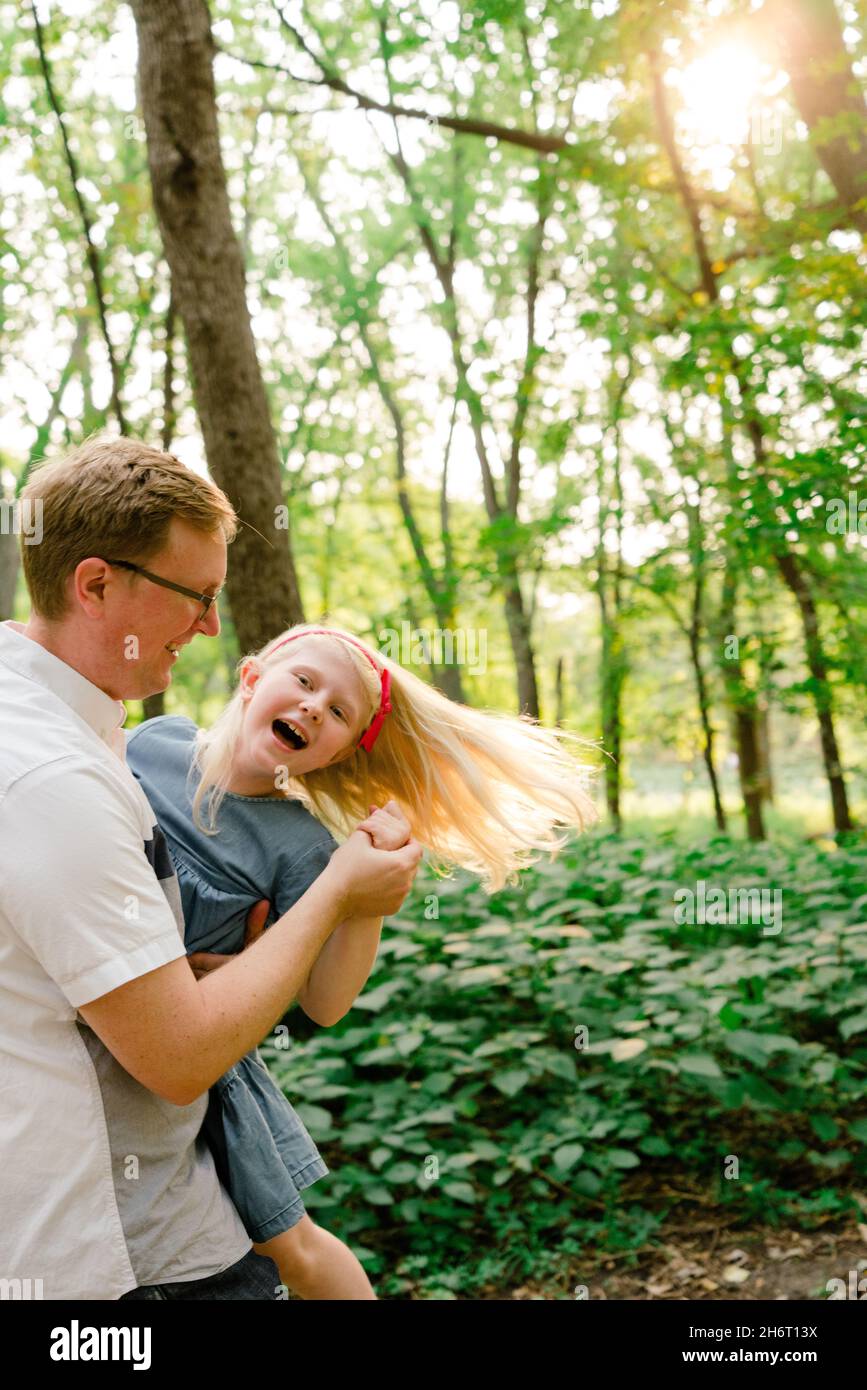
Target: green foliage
column 458, row 1113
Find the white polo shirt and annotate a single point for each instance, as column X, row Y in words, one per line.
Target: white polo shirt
column 103, row 1185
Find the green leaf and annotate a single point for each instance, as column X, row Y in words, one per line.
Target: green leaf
column 855, row 1023
column 567, row 1156
column 763, row 1094
column 729, row 1016
column 511, row 1082
column 401, row 1172
column 837, row 1158
column 561, row 1065
column 461, row 1191
column 699, row 1064
column 793, row 1148
column 587, row 1183
column 315, row 1117
column 376, row 999
column 439, row 1115
column 655, row 1146
column 826, row 1128
column 377, row 1196
column 486, row 1149
column 622, row 1158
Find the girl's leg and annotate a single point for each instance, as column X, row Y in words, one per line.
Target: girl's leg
column 315, row 1264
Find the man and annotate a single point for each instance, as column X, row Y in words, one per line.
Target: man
column 108, row 1041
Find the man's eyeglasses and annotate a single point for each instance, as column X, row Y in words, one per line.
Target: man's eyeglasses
column 205, row 599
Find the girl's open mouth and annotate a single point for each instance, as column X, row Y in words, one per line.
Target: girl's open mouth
column 288, row 735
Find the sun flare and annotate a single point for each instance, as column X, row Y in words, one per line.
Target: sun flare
column 718, row 91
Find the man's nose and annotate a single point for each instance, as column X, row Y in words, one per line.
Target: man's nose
column 210, row 623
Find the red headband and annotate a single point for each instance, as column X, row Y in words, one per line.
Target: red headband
column 369, row 738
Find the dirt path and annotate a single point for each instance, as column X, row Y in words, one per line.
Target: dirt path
column 757, row 1262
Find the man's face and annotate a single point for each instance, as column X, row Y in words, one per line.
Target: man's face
column 142, row 619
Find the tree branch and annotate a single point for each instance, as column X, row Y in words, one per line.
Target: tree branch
column 90, row 247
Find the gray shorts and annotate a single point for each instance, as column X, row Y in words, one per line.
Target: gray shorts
column 263, row 1154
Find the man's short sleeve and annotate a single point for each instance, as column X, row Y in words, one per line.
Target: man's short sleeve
column 77, row 887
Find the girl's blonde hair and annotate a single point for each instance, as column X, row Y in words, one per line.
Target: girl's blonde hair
column 480, row 789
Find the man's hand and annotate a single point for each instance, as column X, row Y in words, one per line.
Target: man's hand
column 371, row 882
column 202, row 962
column 387, row 827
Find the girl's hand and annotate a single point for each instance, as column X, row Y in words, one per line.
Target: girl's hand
column 366, row 882
column 387, row 827
column 202, row 962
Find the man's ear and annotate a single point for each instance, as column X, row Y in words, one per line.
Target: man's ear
column 87, row 583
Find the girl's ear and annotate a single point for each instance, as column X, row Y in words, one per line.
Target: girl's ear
column 250, row 673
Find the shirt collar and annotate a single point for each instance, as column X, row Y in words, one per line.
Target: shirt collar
column 101, row 712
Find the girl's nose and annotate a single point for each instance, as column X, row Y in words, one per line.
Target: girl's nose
column 309, row 707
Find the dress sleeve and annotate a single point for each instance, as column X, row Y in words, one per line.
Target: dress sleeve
column 297, row 875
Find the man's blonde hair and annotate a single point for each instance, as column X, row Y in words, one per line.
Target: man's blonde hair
column 114, row 498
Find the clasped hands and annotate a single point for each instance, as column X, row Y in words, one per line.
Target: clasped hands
column 387, row 828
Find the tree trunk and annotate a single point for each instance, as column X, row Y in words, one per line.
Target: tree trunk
column 177, row 94
column 797, row 582
column 9, row 562
column 826, row 90
column 613, row 676
column 764, row 732
column 696, row 623
column 440, row 588
column 815, row 24
column 743, row 706
column 155, row 705
column 749, row 770
column 559, row 701
column 448, row 678
column 707, row 727
column 518, row 622
column 519, row 632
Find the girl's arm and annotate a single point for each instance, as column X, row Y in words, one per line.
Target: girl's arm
column 341, row 970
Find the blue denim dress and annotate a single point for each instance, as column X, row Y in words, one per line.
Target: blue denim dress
column 265, row 847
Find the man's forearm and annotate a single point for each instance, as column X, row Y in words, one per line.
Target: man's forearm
column 243, row 1000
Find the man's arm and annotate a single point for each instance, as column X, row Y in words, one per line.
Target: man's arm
column 339, row 972
column 177, row 1035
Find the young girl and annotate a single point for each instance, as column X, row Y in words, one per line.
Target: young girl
column 321, row 731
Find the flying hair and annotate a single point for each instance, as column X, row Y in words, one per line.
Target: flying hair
column 482, row 790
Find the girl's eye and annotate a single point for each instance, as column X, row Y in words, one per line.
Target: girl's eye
column 338, row 712
column 303, row 678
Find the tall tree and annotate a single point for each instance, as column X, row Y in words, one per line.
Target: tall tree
column 192, row 205
column 788, row 562
column 828, row 94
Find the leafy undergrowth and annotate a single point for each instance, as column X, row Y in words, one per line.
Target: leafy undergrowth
column 537, row 1079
